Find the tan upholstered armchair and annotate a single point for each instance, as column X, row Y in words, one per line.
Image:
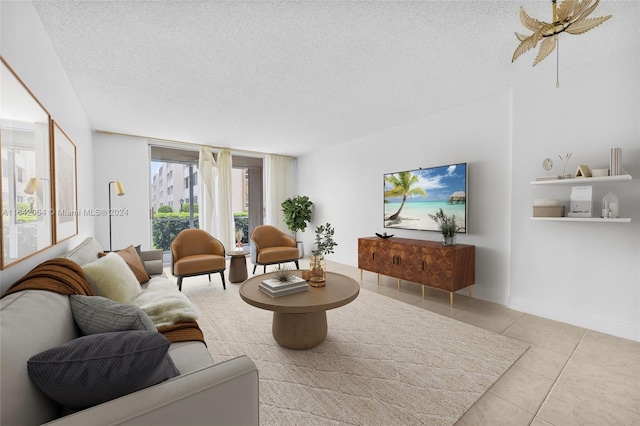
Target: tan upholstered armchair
column 269, row 246
column 196, row 252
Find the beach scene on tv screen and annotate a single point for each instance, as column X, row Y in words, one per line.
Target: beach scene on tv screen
column 411, row 196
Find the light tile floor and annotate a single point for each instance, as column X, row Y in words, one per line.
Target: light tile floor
column 569, row 376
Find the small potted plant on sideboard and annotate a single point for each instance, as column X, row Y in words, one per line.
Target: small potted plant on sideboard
column 448, row 227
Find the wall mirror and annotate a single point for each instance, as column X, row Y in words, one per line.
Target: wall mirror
column 25, row 142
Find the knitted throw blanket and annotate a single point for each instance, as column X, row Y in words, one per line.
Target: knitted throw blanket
column 64, row 276
column 58, row 275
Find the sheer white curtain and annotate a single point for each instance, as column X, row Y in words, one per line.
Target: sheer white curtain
column 277, row 185
column 216, row 215
column 224, row 224
column 207, row 171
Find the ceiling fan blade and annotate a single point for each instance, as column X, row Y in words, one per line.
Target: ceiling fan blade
column 585, row 25
column 546, row 47
column 529, row 22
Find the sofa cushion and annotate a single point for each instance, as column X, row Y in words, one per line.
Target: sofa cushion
column 96, row 314
column 86, row 252
column 31, row 321
column 113, row 279
column 131, row 256
column 94, row 369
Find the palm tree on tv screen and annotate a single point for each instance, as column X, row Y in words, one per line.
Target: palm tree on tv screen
column 401, row 186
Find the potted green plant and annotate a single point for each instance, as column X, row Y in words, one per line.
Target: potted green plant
column 448, row 227
column 297, row 215
column 324, row 245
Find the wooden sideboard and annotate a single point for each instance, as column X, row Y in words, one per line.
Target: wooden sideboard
column 448, row 268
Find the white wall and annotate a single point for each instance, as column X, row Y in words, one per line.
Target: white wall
column 345, row 183
column 26, row 47
column 581, row 273
column 125, row 159
column 584, row 274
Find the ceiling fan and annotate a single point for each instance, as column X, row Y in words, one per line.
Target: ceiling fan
column 571, row 16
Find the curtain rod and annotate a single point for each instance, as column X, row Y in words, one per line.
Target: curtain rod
column 106, row 132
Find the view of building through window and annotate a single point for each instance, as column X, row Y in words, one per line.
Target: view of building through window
column 174, row 200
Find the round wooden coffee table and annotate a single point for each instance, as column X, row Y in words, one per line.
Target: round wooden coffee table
column 300, row 319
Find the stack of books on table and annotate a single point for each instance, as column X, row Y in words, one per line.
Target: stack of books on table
column 276, row 288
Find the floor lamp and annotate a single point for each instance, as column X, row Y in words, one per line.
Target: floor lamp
column 119, row 192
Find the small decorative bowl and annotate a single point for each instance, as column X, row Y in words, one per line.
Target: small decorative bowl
column 384, row 235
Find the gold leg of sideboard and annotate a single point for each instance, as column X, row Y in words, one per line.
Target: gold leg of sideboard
column 451, row 299
column 398, row 284
column 423, row 291
column 378, row 280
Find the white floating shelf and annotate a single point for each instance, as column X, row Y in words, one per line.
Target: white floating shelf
column 582, row 181
column 584, row 219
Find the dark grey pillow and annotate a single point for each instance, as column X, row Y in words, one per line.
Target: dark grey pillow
column 93, row 369
column 97, row 314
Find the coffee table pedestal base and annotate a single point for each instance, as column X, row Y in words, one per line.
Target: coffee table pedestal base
column 300, row 331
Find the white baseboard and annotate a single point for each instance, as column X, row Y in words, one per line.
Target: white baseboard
column 623, row 329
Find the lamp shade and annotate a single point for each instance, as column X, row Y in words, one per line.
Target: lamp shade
column 31, row 186
column 118, row 187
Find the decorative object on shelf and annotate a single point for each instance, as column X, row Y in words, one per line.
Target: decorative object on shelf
column 384, row 235
column 564, row 160
column 583, row 171
column 324, row 245
column 572, row 16
column 119, row 192
column 599, row 172
column 297, row 215
column 448, row 227
column 615, row 162
column 547, row 165
column 306, row 274
column 580, row 201
column 610, row 206
column 548, row 208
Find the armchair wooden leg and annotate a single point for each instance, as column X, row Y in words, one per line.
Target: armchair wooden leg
column 254, row 268
column 297, row 266
column 223, row 284
column 209, row 277
column 179, row 283
column 264, row 270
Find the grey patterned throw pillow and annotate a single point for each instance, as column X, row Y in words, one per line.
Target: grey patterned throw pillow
column 97, row 314
column 94, row 369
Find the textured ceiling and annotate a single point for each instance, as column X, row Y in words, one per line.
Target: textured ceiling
column 292, row 77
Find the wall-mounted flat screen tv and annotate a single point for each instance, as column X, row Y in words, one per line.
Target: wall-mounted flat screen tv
column 411, row 196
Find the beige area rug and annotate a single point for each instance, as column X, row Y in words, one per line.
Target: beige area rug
column 384, row 362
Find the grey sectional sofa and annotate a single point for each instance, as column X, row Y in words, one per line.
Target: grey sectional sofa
column 33, row 321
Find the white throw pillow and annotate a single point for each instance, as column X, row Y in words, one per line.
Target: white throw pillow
column 113, row 279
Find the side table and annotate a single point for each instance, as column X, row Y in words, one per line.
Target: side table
column 238, row 266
